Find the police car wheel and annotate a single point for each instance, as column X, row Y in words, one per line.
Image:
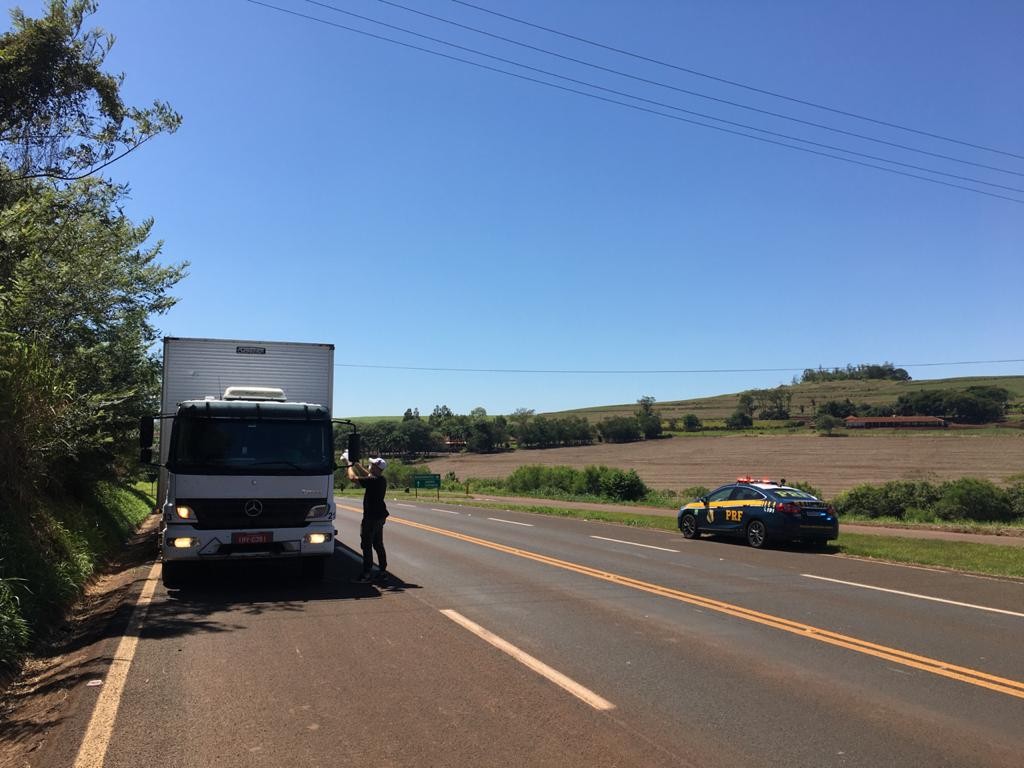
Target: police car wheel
column 757, row 534
column 688, row 525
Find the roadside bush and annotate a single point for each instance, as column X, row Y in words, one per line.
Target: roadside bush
column 891, row 499
column 691, row 423
column 604, row 482
column 694, row 492
column 399, row 474
column 972, row 499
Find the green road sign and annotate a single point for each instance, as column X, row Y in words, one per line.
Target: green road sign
column 426, row 481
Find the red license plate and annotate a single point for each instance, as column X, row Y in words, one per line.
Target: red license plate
column 263, row 537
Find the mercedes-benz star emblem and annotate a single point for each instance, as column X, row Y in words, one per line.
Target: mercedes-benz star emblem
column 253, row 507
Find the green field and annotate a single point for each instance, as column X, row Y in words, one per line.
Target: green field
column 809, row 396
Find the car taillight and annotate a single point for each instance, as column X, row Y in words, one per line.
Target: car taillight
column 788, row 508
column 831, row 510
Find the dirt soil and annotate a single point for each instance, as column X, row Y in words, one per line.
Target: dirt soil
column 831, row 465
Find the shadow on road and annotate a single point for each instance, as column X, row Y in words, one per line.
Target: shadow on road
column 256, row 588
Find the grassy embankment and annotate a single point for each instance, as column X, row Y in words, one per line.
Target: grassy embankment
column 50, row 548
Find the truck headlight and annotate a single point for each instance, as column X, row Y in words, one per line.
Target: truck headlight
column 316, row 538
column 185, row 512
column 183, row 542
column 319, row 510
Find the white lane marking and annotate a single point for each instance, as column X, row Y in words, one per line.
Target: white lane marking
column 583, row 694
column 410, row 506
column 449, row 511
column 913, row 594
column 647, row 546
column 93, row 750
column 510, row 522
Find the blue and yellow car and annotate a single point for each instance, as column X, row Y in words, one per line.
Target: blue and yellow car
column 760, row 511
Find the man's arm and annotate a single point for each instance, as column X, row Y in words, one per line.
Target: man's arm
column 357, row 471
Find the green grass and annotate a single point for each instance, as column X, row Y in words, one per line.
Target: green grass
column 50, row 548
column 989, row 559
column 873, row 392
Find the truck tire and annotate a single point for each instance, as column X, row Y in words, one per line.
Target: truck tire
column 313, row 568
column 173, row 575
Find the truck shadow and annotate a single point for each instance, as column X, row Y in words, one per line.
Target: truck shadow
column 216, row 591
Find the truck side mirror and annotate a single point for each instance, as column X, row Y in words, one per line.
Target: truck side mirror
column 146, row 440
column 146, row 432
column 354, row 444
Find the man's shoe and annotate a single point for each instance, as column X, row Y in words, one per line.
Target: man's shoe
column 363, row 579
column 382, row 576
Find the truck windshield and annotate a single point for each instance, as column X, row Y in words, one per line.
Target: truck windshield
column 250, row 447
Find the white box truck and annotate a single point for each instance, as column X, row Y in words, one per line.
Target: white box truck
column 246, row 453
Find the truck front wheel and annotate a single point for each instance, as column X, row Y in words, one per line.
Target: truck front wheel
column 173, row 575
column 313, row 568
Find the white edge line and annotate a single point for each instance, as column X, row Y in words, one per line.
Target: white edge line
column 400, row 504
column 449, row 511
column 583, row 694
column 647, row 546
column 510, row 522
column 93, row 749
column 912, row 594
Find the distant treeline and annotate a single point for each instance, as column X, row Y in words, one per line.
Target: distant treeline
column 864, row 371
column 973, row 405
column 477, row 432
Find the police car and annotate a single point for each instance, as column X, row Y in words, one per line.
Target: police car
column 761, row 511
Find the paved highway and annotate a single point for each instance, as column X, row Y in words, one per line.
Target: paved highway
column 509, row 639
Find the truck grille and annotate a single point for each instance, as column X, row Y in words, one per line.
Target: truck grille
column 212, row 514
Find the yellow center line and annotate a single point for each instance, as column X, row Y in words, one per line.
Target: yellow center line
column 934, row 666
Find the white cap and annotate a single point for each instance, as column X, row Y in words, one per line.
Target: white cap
column 379, row 462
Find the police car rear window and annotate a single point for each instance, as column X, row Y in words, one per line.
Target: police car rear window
column 791, row 493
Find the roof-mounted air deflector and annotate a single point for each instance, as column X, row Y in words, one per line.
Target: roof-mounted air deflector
column 266, row 394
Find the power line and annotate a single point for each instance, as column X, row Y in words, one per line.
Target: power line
column 645, row 109
column 665, row 371
column 653, row 102
column 737, row 84
column 660, row 84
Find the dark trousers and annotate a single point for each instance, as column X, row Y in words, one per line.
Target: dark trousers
column 371, row 537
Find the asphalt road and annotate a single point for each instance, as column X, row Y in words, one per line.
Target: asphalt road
column 682, row 653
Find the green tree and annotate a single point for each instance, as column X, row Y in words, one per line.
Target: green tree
column 826, row 423
column 648, row 419
column 739, row 419
column 61, row 115
column 691, row 423
column 619, row 429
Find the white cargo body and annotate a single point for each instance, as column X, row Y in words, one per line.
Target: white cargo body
column 249, row 474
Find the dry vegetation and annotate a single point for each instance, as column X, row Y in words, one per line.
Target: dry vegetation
column 830, row 464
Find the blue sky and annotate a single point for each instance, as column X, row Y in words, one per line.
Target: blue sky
column 422, row 213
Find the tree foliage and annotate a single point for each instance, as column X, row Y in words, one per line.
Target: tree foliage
column 61, row 115
column 884, row 370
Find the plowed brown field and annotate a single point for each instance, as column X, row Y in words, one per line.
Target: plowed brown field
column 830, row 464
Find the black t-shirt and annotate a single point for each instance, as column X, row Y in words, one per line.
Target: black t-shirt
column 373, row 499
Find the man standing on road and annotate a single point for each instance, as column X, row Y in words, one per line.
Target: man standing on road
column 375, row 512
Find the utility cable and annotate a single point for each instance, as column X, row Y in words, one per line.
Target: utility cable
column 664, row 105
column 661, row 84
column 737, row 84
column 651, row 111
column 677, row 371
